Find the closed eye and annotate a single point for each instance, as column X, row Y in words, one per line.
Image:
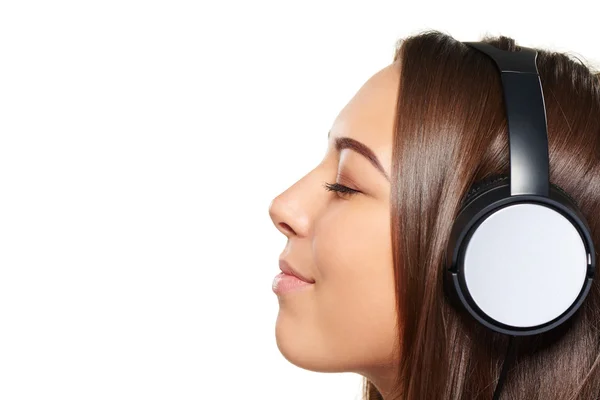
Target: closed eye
column 336, row 187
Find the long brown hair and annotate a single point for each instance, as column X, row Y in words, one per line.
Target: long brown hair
column 451, row 132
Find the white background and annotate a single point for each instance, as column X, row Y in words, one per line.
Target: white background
column 141, row 143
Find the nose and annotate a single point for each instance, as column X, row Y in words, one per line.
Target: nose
column 281, row 215
column 295, row 210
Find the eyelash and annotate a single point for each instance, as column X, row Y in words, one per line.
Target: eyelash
column 336, row 187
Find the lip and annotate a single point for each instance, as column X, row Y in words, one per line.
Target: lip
column 284, row 283
column 287, row 269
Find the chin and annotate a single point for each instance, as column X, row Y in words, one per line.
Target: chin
column 304, row 350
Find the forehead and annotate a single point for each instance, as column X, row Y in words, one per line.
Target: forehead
column 369, row 115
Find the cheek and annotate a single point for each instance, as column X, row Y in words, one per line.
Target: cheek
column 356, row 301
column 348, row 321
column 353, row 242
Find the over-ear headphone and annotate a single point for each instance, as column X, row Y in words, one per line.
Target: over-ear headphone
column 520, row 257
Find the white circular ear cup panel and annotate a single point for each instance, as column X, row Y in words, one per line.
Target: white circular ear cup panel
column 525, row 264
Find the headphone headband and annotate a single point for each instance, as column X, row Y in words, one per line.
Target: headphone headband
column 526, row 114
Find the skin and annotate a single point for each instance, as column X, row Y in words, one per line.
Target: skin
column 346, row 320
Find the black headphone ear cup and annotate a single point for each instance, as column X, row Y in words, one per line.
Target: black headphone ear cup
column 494, row 180
column 484, row 184
column 564, row 193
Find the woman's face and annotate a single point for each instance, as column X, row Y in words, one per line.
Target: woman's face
column 346, row 320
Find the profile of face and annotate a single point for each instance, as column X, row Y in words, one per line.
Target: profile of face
column 346, row 320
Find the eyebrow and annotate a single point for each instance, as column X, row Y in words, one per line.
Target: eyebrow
column 362, row 149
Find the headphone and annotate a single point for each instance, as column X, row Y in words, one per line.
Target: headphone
column 520, row 257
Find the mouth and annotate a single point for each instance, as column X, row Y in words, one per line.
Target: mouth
column 287, row 269
column 284, row 283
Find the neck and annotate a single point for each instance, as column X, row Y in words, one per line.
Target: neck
column 383, row 378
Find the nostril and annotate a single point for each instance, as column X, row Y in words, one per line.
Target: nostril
column 286, row 228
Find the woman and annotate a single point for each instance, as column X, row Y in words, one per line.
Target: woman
column 368, row 227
